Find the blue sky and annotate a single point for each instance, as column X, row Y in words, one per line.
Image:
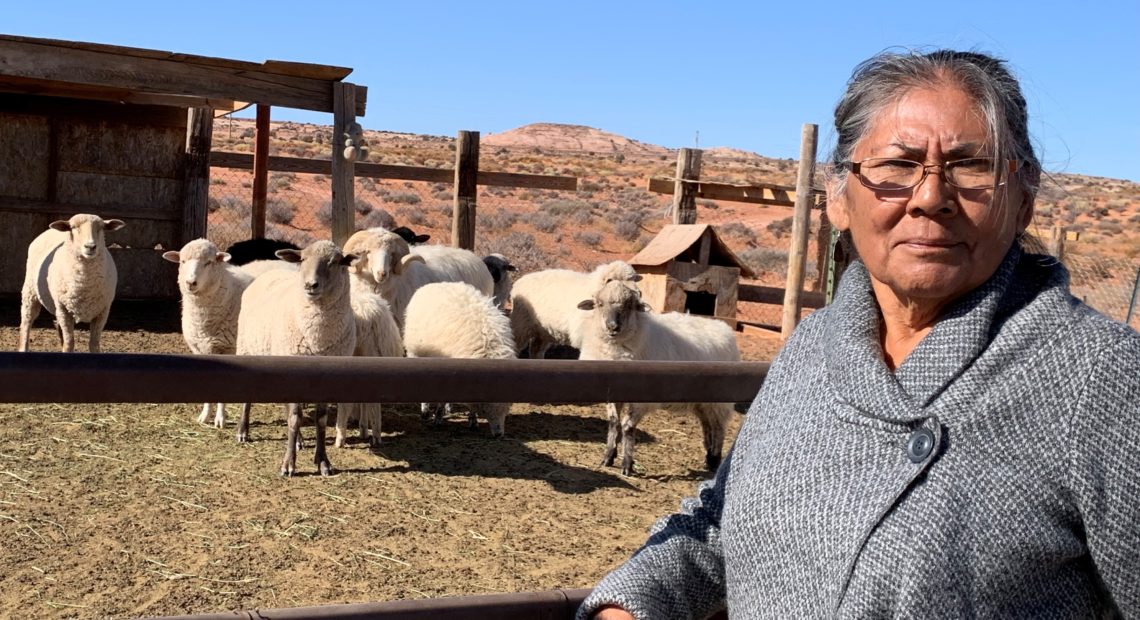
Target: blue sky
column 743, row 74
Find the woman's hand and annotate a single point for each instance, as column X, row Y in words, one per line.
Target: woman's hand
column 612, row 613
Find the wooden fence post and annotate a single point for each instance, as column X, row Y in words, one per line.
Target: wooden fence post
column 466, row 175
column 685, row 194
column 1056, row 243
column 822, row 249
column 343, row 186
column 196, row 179
column 801, row 225
column 260, row 172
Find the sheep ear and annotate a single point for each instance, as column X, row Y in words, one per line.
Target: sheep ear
column 422, row 238
column 113, row 224
column 289, row 256
column 644, row 307
column 223, row 257
column 172, row 256
column 586, row 305
column 60, row 225
column 349, row 260
column 636, row 278
column 512, row 268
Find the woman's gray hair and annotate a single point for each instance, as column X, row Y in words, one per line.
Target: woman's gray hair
column 888, row 76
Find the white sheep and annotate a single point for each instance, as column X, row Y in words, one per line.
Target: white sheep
column 544, row 304
column 500, row 267
column 306, row 312
column 395, row 269
column 619, row 326
column 71, row 273
column 453, row 319
column 211, row 298
column 377, row 335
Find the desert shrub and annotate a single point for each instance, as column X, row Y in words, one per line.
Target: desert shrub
column 519, row 246
column 628, row 224
column 368, row 183
column 588, row 237
column 410, row 216
column 362, row 206
column 543, row 221
column 500, row 220
column 404, row 198
column 588, row 186
column 1109, row 227
column 378, row 217
column 737, row 230
column 765, row 260
column 442, row 195
column 1134, row 219
column 564, row 207
column 445, row 209
column 217, row 181
column 279, row 211
column 779, row 228
column 324, row 213
column 708, row 204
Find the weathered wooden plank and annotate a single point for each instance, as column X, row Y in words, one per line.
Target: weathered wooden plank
column 25, row 147
column 801, row 226
column 117, row 148
column 59, row 210
column 774, row 295
column 260, row 172
column 102, row 93
column 244, row 161
column 196, row 172
column 343, row 184
column 65, row 108
column 466, row 175
column 684, row 191
column 112, row 190
column 773, row 195
column 150, row 74
column 142, row 273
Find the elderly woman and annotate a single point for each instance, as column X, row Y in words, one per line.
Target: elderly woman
column 956, row 436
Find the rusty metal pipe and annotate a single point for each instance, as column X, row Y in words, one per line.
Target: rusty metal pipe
column 127, row 378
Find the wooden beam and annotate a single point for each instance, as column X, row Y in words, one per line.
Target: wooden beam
column 801, row 226
column 773, row 195
column 822, row 251
column 163, row 73
column 66, row 210
column 260, row 172
column 244, row 161
column 102, row 93
column 343, row 184
column 196, row 172
column 685, row 192
column 774, row 295
column 466, row 175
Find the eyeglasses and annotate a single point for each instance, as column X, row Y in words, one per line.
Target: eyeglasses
column 888, row 174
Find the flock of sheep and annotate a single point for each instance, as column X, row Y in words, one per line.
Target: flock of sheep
column 383, row 294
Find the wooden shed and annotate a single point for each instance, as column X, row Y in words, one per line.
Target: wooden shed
column 688, row 268
column 125, row 133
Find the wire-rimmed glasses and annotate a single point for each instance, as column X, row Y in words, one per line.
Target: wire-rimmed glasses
column 889, row 174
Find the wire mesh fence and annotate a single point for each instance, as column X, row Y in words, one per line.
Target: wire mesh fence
column 1107, row 284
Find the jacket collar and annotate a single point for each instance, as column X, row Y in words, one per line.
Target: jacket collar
column 856, row 367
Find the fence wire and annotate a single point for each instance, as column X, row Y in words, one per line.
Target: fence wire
column 1107, row 284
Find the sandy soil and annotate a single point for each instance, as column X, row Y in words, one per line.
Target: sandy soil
column 133, row 509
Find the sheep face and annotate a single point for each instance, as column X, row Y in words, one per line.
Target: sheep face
column 383, row 255
column 85, row 233
column 616, row 309
column 322, row 269
column 199, row 266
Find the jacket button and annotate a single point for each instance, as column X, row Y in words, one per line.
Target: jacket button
column 920, row 445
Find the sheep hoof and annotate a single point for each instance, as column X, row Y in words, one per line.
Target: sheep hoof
column 712, row 461
column 627, row 469
column 287, row 471
column 243, row 437
column 202, row 418
column 219, row 422
column 374, row 441
column 608, row 458
column 340, row 441
column 326, row 468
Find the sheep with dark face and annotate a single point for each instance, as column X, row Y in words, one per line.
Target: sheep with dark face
column 619, row 326
column 256, row 249
column 71, row 273
column 500, row 267
column 409, row 235
column 306, row 312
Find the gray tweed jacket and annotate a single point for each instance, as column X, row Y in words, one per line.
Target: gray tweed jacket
column 994, row 474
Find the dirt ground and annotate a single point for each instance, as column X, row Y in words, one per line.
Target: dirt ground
column 134, row 509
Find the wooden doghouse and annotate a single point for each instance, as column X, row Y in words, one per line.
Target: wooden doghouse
column 125, row 133
column 687, row 268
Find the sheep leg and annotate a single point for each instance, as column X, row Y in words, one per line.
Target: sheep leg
column 289, row 464
column 96, row 331
column 538, row 348
column 714, row 418
column 496, row 414
column 629, row 438
column 473, row 416
column 343, row 411
column 65, row 322
column 29, row 310
column 220, row 416
column 613, row 413
column 205, row 413
column 243, row 424
column 320, row 456
column 372, row 420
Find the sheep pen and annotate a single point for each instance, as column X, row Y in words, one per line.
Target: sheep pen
column 133, row 509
